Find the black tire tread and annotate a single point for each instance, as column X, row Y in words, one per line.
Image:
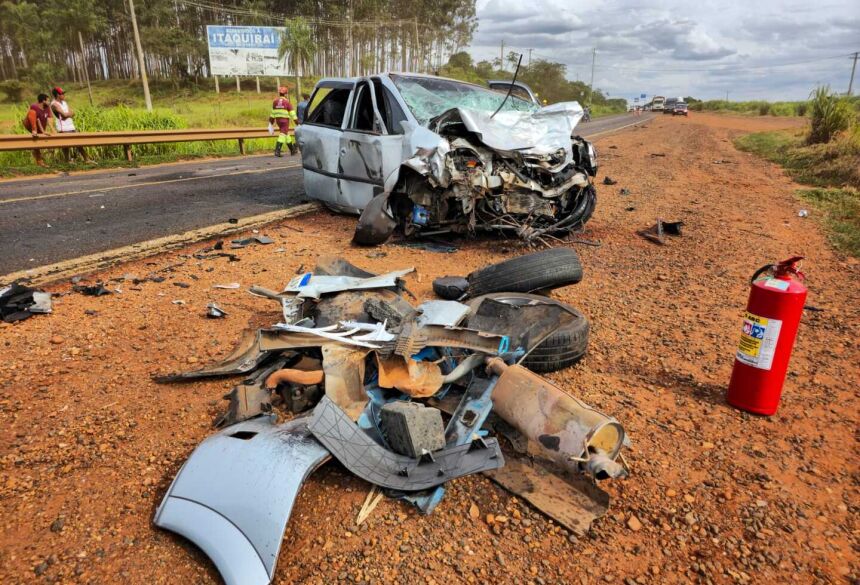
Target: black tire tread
column 543, row 270
column 563, row 348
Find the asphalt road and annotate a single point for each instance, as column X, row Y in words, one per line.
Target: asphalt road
column 53, row 218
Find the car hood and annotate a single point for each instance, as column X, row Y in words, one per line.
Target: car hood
column 542, row 132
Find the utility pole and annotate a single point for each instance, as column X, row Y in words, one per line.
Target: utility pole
column 87, row 75
column 727, row 96
column 238, row 85
column 853, row 69
column 502, row 56
column 140, row 61
column 591, row 85
column 217, row 87
column 529, row 66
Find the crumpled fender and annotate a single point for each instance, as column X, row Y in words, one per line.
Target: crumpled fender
column 234, row 495
column 375, row 224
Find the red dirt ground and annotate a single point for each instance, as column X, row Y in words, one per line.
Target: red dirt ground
column 90, row 443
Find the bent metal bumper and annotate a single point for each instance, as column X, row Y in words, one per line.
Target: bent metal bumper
column 214, row 501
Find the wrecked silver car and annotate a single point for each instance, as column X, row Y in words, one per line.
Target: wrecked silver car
column 432, row 155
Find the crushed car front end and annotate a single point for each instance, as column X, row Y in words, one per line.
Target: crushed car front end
column 519, row 169
column 518, row 172
column 470, row 160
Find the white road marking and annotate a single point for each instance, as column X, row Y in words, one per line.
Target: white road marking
column 102, row 190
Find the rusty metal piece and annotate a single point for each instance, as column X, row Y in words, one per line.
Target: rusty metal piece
column 344, row 377
column 294, row 376
column 559, row 427
column 413, row 339
column 246, row 401
column 419, row 379
column 656, row 232
column 572, row 501
column 245, row 357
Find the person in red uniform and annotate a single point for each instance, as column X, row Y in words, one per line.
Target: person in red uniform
column 37, row 123
column 282, row 115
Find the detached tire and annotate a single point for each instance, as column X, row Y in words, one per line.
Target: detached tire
column 563, row 348
column 539, row 271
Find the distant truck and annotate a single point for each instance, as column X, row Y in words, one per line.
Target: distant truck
column 669, row 104
column 658, row 103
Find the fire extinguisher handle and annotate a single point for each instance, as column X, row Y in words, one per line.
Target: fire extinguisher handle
column 761, row 271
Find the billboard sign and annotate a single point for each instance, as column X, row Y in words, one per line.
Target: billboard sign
column 642, row 96
column 245, row 50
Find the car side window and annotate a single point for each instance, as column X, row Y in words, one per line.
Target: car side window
column 331, row 109
column 390, row 110
column 362, row 111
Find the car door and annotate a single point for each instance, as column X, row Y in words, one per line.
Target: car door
column 319, row 138
column 370, row 152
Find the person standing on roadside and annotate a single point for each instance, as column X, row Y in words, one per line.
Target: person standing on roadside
column 64, row 119
column 38, row 123
column 302, row 108
column 281, row 116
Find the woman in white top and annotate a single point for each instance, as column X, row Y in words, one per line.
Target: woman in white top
column 64, row 118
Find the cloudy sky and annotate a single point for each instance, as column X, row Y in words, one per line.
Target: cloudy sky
column 753, row 49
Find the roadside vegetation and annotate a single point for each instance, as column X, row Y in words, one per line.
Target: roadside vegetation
column 749, row 108
column 118, row 105
column 546, row 78
column 826, row 155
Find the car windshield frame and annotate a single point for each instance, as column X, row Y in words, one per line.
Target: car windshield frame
column 423, row 96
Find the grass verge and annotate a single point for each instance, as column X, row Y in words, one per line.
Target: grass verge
column 841, row 210
column 833, row 168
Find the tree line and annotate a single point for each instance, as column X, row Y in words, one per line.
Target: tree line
column 42, row 41
column 546, row 78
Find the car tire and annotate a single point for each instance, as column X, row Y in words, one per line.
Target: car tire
column 563, row 348
column 544, row 270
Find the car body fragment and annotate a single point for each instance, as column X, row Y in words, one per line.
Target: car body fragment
column 369, row 460
column 234, row 495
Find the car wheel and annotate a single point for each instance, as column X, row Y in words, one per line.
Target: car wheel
column 539, row 271
column 563, row 348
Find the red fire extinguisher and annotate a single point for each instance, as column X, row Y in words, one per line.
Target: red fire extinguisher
column 777, row 297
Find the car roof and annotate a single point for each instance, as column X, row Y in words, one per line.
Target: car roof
column 349, row 81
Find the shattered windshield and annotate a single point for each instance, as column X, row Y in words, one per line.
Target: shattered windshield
column 428, row 97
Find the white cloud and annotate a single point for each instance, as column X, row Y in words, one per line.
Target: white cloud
column 676, row 47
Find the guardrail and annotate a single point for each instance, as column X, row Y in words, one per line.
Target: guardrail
column 127, row 139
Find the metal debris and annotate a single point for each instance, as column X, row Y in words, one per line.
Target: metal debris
column 213, row 311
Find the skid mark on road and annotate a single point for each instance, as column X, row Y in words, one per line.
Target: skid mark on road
column 104, row 190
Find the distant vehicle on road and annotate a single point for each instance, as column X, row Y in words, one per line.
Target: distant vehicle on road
column 680, row 109
column 658, row 103
column 669, row 104
column 520, row 90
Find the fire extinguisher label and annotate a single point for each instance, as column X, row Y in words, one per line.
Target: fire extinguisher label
column 758, row 341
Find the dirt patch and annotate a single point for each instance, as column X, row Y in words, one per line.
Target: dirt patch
column 744, row 123
column 90, row 443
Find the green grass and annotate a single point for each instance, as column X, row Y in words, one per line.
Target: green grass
column 833, row 168
column 841, row 209
column 119, row 105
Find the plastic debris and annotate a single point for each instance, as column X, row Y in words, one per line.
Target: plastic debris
column 213, row 311
column 19, row 302
column 95, row 290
